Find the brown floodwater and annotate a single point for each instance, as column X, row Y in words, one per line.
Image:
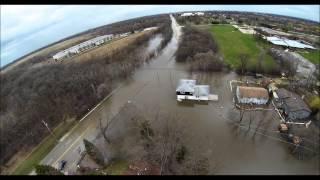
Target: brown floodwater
column 212, row 127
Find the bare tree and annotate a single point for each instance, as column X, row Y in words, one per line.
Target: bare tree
column 243, row 58
column 104, row 129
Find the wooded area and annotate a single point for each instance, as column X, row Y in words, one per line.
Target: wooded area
column 57, row 92
column 200, row 50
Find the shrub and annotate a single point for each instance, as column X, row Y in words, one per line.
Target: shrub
column 93, row 152
column 47, row 170
column 182, row 151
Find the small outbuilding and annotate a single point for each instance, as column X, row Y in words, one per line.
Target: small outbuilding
column 252, row 95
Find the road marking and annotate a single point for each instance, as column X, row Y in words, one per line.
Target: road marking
column 69, row 141
column 64, row 137
column 101, row 102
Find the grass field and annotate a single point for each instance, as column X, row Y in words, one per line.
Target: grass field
column 232, row 43
column 42, row 150
column 117, row 168
column 312, row 56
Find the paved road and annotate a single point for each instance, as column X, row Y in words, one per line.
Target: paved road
column 71, row 145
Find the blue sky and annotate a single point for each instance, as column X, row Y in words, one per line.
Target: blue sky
column 29, row 27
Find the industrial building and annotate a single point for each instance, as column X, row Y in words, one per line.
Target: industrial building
column 252, row 95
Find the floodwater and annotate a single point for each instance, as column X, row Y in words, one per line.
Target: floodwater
column 212, row 127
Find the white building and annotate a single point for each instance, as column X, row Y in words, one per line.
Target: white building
column 287, row 42
column 150, row 28
column 188, row 90
column 187, row 14
column 252, row 95
column 83, row 46
column 199, row 13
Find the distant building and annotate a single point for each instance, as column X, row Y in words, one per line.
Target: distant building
column 187, row 14
column 82, row 47
column 252, row 95
column 150, row 28
column 288, row 43
column 294, row 108
column 199, row 13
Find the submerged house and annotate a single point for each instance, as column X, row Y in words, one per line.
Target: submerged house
column 294, row 108
column 252, row 95
column 187, row 89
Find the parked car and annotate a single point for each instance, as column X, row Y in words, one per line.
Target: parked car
column 62, row 165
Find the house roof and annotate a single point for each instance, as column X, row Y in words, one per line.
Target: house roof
column 252, row 92
column 186, row 85
column 292, row 100
column 283, row 93
column 287, row 42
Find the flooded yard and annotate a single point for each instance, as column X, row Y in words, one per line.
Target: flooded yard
column 209, row 129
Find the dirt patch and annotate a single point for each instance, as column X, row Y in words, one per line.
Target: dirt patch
column 142, row 168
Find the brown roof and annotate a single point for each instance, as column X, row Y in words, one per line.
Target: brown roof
column 253, row 92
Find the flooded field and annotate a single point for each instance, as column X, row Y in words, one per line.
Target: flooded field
column 210, row 129
column 213, row 128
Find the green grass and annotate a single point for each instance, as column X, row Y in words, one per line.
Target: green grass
column 312, row 56
column 42, row 150
column 232, row 43
column 117, row 167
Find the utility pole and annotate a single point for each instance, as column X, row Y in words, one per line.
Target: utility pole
column 46, row 124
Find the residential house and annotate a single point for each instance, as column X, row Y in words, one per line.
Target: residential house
column 293, row 106
column 252, row 95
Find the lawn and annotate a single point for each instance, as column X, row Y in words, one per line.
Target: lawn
column 232, row 43
column 117, row 167
column 312, row 56
column 26, row 166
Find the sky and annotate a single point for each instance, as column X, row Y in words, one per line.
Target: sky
column 26, row 28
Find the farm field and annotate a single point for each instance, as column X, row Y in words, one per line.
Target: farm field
column 312, row 56
column 232, row 43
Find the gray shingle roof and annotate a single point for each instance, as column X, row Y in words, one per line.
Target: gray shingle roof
column 292, row 100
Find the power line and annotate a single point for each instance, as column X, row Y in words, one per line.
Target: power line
column 271, row 137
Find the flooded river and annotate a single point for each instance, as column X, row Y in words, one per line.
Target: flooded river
column 212, row 128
